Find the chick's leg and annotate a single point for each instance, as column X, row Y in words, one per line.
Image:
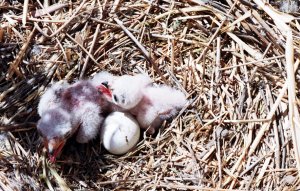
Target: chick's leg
column 90, row 122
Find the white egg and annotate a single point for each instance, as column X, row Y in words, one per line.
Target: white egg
column 120, row 133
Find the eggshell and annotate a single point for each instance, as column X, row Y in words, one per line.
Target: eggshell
column 120, row 133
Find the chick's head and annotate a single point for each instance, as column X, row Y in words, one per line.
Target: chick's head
column 55, row 127
column 103, row 81
column 127, row 91
column 103, row 78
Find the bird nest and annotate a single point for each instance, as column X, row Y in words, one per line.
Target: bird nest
column 234, row 60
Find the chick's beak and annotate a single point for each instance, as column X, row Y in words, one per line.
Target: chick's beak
column 103, row 88
column 54, row 147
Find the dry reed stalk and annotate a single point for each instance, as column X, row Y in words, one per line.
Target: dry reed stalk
column 49, row 9
column 229, row 57
column 90, row 52
column 280, row 20
column 25, row 11
column 14, row 67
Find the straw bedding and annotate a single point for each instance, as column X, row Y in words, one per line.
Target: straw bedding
column 232, row 59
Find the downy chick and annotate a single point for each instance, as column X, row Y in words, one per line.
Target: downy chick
column 82, row 100
column 77, row 110
column 150, row 105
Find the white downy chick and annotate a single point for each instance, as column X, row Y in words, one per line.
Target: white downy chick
column 127, row 91
column 77, row 110
column 82, row 100
column 52, row 97
column 151, row 105
column 158, row 104
column 120, row 133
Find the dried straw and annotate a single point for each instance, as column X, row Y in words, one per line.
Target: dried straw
column 236, row 61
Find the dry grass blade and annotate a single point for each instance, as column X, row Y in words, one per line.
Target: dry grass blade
column 234, row 60
column 19, row 127
column 62, row 184
column 68, row 22
column 280, row 20
column 141, row 47
column 25, row 11
column 90, row 52
column 50, row 9
column 14, row 67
